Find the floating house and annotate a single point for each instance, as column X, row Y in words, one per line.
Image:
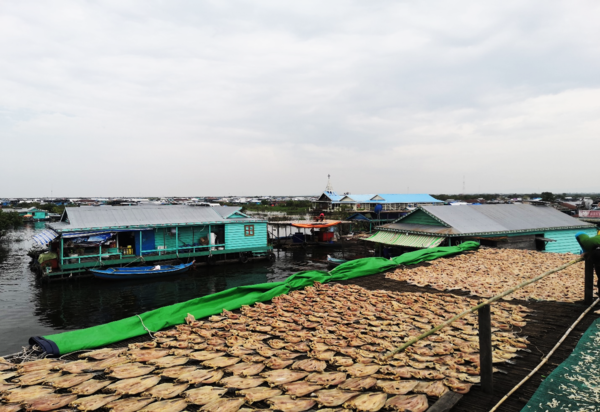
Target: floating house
column 91, row 237
column 505, row 226
column 29, row 214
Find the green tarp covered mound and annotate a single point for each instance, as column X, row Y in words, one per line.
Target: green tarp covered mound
column 229, row 299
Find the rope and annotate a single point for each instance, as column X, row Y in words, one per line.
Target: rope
column 147, row 330
column 474, row 308
column 526, row 378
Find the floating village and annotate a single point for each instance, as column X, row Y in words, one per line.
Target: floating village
column 450, row 305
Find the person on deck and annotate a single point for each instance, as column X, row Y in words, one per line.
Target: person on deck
column 591, row 251
column 321, row 217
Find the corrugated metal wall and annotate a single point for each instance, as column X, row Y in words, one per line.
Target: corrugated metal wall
column 187, row 235
column 235, row 238
column 565, row 240
column 420, row 218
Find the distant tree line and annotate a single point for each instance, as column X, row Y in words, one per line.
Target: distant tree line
column 9, row 220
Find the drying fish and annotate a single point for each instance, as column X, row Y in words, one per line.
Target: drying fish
column 326, row 355
column 205, row 355
column 23, row 394
column 396, row 387
column 176, row 371
column 310, row 365
column 7, row 375
column 435, row 389
column 180, row 352
column 368, row 402
column 133, row 386
column 265, row 351
column 76, row 366
column 132, row 404
column 238, row 382
column 359, row 369
column 258, row 394
column 327, row 378
column 358, row 384
column 245, row 369
column 145, row 355
column 334, row 397
column 201, row 376
column 300, row 388
column 39, row 376
column 66, row 381
column 281, row 376
column 288, row 404
column 129, row 370
column 408, row 403
column 165, row 391
column 89, row 387
column 286, row 355
column 253, row 358
column 223, row 405
column 457, row 386
column 91, row 403
column 169, row 361
column 49, row 402
column 105, row 353
column 239, row 351
column 221, row 362
column 6, row 386
column 5, row 365
column 106, row 363
column 204, row 395
column 276, row 363
column 39, row 365
column 341, row 361
column 171, row 405
column 11, row 407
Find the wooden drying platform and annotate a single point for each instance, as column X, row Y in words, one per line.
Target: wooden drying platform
column 544, row 329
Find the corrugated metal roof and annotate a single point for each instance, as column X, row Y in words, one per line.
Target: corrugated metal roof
column 88, row 217
column 385, row 198
column 492, row 219
column 401, row 239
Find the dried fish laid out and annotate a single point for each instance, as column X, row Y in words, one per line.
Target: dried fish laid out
column 488, row 272
column 286, row 355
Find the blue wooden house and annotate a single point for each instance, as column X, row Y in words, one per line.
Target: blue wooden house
column 516, row 226
column 96, row 236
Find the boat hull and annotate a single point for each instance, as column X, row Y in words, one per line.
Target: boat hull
column 143, row 272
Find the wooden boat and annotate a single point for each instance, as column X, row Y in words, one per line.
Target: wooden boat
column 334, row 261
column 140, row 272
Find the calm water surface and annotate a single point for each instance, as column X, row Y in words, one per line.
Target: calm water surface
column 29, row 308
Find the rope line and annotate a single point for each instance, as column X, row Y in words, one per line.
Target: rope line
column 147, row 330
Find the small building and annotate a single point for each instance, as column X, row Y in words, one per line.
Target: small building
column 30, row 214
column 514, row 226
column 89, row 237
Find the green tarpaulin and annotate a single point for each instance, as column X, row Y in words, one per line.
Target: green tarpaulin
column 575, row 384
column 229, row 299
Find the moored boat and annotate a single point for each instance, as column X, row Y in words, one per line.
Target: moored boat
column 141, row 272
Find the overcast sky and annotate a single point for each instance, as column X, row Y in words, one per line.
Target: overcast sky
column 163, row 98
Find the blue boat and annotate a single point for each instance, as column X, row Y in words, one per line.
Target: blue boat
column 141, row 272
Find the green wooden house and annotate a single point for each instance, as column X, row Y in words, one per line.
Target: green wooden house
column 519, row 226
column 97, row 236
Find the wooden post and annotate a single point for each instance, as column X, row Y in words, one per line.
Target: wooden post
column 589, row 281
column 485, row 349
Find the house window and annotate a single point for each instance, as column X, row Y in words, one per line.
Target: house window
column 248, row 230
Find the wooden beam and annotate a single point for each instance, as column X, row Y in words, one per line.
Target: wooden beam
column 485, row 349
column 446, row 402
column 589, row 281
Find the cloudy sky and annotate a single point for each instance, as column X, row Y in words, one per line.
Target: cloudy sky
column 155, row 98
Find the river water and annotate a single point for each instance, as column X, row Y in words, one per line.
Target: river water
column 29, row 308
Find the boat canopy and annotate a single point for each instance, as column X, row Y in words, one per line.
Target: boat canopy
column 316, row 225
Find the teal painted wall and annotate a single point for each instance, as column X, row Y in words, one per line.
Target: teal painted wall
column 420, row 218
column 565, row 240
column 164, row 237
column 39, row 215
column 235, row 238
